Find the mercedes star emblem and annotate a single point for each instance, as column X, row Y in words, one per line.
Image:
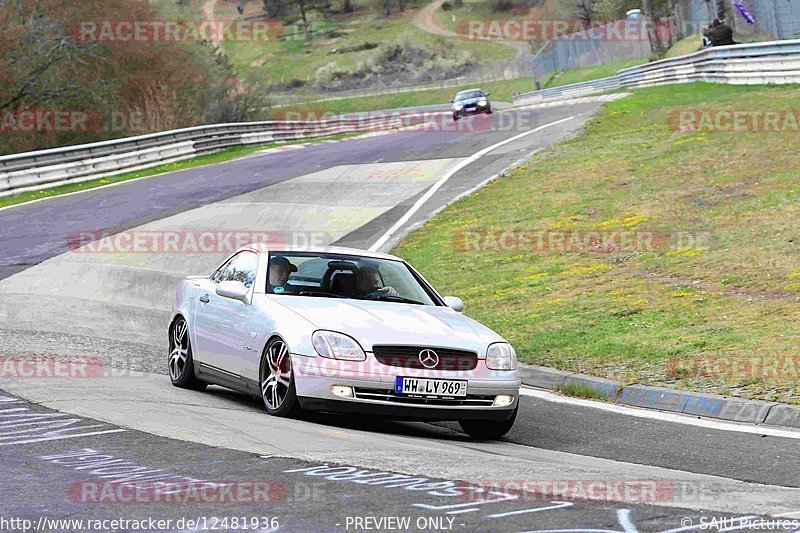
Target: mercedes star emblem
column 428, row 358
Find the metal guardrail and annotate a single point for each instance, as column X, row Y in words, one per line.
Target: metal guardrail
column 756, row 63
column 73, row 164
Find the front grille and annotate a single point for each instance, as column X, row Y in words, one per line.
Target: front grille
column 384, row 395
column 408, row 357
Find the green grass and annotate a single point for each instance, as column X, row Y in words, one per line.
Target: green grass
column 278, row 61
column 687, row 45
column 500, row 91
column 577, row 390
column 203, row 160
column 577, row 75
column 643, row 316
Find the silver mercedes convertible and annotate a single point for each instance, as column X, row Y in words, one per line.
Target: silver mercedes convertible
column 341, row 330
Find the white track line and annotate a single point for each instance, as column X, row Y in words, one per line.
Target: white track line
column 662, row 416
column 438, row 185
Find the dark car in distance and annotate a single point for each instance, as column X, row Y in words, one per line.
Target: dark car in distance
column 470, row 102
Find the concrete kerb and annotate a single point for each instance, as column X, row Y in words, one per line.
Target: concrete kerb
column 700, row 404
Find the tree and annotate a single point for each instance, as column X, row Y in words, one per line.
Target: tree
column 39, row 63
column 275, row 8
column 584, row 11
column 48, row 64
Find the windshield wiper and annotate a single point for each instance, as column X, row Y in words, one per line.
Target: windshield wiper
column 320, row 294
column 391, row 298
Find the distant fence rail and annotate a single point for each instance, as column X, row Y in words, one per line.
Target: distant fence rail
column 73, row 164
column 743, row 64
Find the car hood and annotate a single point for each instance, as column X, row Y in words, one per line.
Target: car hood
column 375, row 322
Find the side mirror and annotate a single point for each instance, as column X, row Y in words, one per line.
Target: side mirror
column 454, row 302
column 451, row 101
column 234, row 290
column 487, row 94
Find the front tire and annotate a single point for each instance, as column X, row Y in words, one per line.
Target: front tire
column 277, row 380
column 180, row 363
column 455, row 117
column 488, row 429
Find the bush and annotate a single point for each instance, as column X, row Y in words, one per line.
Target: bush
column 402, row 60
column 501, row 5
column 447, row 6
column 354, row 48
column 458, row 3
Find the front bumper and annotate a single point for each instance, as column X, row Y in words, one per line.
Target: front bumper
column 471, row 111
column 373, row 386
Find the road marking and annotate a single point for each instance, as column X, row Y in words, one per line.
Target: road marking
column 19, row 425
column 623, row 517
column 661, row 416
column 438, row 185
column 556, row 505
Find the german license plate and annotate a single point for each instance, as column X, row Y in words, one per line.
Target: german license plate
column 450, row 388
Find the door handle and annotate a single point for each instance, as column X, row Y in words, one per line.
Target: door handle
column 205, row 299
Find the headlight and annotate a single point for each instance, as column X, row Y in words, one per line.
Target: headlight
column 337, row 346
column 458, row 107
column 482, row 102
column 501, row 356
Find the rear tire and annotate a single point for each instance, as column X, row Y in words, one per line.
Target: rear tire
column 180, row 363
column 488, row 429
column 276, row 380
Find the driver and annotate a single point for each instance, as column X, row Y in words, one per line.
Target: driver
column 279, row 270
column 368, row 281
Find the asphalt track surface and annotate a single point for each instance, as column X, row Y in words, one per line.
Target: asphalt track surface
column 73, row 480
column 32, row 233
column 311, row 500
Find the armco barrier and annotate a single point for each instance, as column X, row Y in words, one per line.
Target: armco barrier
column 73, row 164
column 743, row 64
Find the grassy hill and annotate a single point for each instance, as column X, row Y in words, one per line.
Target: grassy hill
column 342, row 46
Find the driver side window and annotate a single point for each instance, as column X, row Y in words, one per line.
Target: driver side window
column 216, row 277
column 241, row 267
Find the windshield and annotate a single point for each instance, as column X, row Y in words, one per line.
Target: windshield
column 344, row 276
column 468, row 95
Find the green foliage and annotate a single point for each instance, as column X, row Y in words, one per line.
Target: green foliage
column 130, row 87
column 499, row 6
column 577, row 390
